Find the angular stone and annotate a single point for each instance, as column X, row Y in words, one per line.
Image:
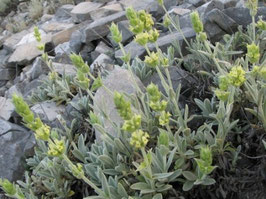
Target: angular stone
column 101, row 48
column 48, row 111
column 64, row 69
column 118, row 80
column 38, row 68
column 63, row 12
column 241, row 15
column 106, row 11
column 196, row 3
column 25, row 53
column 103, row 62
column 229, row 3
column 7, row 73
column 64, row 35
column 63, row 48
column 15, row 144
column 163, row 42
column 179, row 11
column 100, row 27
column 28, row 38
column 82, row 11
column 226, row 23
column 212, row 5
column 11, row 41
column 55, row 26
column 6, row 108
column 214, row 32
column 75, row 42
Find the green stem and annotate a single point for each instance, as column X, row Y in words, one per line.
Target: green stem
column 253, row 29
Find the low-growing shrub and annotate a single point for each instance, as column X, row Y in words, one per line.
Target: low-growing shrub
column 160, row 150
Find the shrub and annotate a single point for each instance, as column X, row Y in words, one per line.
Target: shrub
column 159, row 151
column 35, row 9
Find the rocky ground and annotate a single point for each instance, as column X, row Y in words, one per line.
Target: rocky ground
column 84, row 28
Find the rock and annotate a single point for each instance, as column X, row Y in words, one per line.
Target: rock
column 75, row 42
column 106, row 11
column 48, row 111
column 55, row 26
column 123, row 27
column 28, row 38
column 6, row 108
column 46, row 17
column 86, row 52
column 196, row 3
column 31, row 86
column 64, row 69
column 214, row 32
column 229, row 3
column 63, row 48
column 15, row 143
column 82, row 11
column 100, row 27
column 178, row 76
column 212, row 5
column 11, row 41
column 103, row 61
column 15, row 89
column 241, row 15
column 64, row 35
column 226, row 23
column 38, row 68
column 25, row 53
column 64, row 12
column 163, row 42
column 7, row 73
column 179, row 11
column 186, row 5
column 101, row 48
column 118, row 80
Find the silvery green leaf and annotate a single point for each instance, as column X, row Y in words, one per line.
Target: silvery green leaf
column 264, row 144
column 208, row 181
column 158, row 196
column 188, row 185
column 164, row 188
column 189, row 175
column 121, row 190
column 174, row 176
column 140, row 186
column 162, row 175
column 106, row 160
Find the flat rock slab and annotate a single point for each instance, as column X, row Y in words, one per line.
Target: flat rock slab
column 65, row 69
column 100, row 27
column 118, row 80
column 15, row 144
column 11, row 41
column 82, row 11
column 55, row 26
column 6, row 108
column 106, row 11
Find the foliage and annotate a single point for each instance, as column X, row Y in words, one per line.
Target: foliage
column 161, row 149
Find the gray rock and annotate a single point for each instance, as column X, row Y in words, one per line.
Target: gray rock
column 6, row 108
column 196, row 3
column 7, row 73
column 118, row 80
column 63, row 48
column 214, row 32
column 75, row 42
column 101, row 48
column 212, row 5
column 15, row 144
column 241, row 15
column 82, row 11
column 229, row 3
column 226, row 23
column 103, row 61
column 63, row 13
column 31, row 86
column 64, row 69
column 100, row 27
column 11, row 41
column 106, row 11
column 163, row 42
column 38, row 68
column 178, row 76
column 48, row 112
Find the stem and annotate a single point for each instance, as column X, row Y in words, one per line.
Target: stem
column 148, row 166
column 253, row 29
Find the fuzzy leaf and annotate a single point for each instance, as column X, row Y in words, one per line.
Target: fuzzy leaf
column 189, row 175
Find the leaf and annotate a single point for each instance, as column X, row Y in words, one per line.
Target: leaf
column 187, row 185
column 176, row 174
column 106, row 160
column 121, row 190
column 189, row 175
column 208, row 181
column 162, row 175
column 189, row 152
column 158, row 196
column 264, row 144
column 140, row 186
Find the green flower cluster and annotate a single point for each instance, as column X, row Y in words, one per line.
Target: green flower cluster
column 56, row 148
column 115, row 33
column 157, row 104
column 41, row 130
column 261, row 24
column 132, row 124
column 123, row 107
column 252, row 5
column 11, row 190
column 139, row 139
column 156, row 59
column 198, row 26
column 205, row 161
column 253, row 53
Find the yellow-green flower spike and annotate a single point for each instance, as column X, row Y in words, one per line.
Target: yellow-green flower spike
column 37, row 34
column 223, row 82
column 139, row 139
column 262, row 73
column 206, row 155
column 83, row 80
column 146, row 18
column 237, row 76
column 252, row 5
column 164, row 118
column 196, row 22
column 43, row 133
column 253, row 53
column 166, row 21
column 79, row 63
column 115, row 33
column 56, row 148
column 158, row 106
column 133, row 124
column 221, row 94
column 8, row 187
column 123, row 107
column 161, row 2
column 153, row 92
column 136, row 25
column 142, row 38
column 152, row 60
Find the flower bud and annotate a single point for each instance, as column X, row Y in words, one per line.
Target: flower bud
column 8, row 187
column 237, row 76
column 164, row 118
column 37, row 34
column 123, row 107
column 43, row 133
column 153, row 35
column 166, row 21
column 261, row 24
column 163, row 139
column 221, row 94
column 139, row 139
column 56, row 147
column 142, row 38
column 77, row 171
column 223, row 82
column 152, row 60
column 133, row 124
